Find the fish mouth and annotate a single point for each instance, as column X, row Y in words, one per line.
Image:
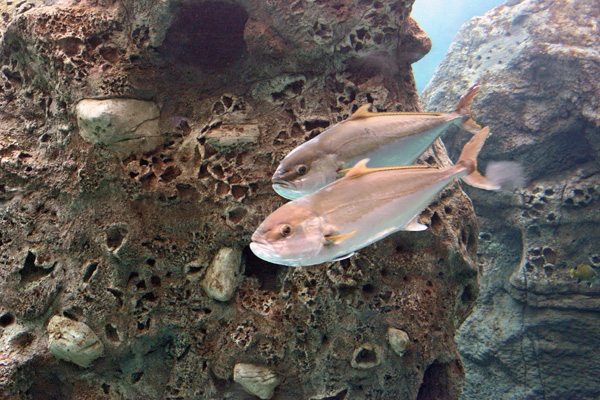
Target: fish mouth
column 259, row 239
column 286, row 189
column 281, row 182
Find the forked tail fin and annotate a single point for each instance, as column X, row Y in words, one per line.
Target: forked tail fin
column 502, row 175
column 468, row 160
column 463, row 107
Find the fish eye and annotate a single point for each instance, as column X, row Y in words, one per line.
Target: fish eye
column 285, row 230
column 301, row 169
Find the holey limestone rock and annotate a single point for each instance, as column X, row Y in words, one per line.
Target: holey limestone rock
column 125, row 126
column 73, row 341
column 131, row 238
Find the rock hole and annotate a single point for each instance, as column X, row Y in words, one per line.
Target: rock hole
column 141, row 285
column 203, row 172
column 136, row 376
column 150, row 296
column 155, row 281
column 111, row 333
column 32, row 272
column 115, row 236
column 73, row 313
column 71, row 46
column 237, row 215
column 467, row 295
column 106, row 388
column 89, row 271
column 132, row 276
column 110, row 54
column 550, row 255
column 437, row 380
column 436, row 223
column 22, row 340
column 368, row 289
column 366, row 356
column 266, row 272
column 208, row 34
column 6, row 320
column 170, row 174
column 314, row 124
column 239, row 192
column 222, row 189
column 227, row 101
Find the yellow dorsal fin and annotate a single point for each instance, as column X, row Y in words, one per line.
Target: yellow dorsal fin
column 362, row 112
column 337, row 239
column 360, row 168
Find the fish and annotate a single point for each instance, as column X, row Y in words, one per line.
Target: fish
column 364, row 206
column 585, row 273
column 386, row 138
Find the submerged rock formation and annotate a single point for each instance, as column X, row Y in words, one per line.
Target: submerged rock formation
column 532, row 333
column 138, row 237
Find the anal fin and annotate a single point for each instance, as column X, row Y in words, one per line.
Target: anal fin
column 340, row 258
column 415, row 226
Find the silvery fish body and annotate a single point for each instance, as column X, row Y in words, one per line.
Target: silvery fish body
column 365, row 206
column 387, row 139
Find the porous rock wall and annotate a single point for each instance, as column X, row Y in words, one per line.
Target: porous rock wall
column 538, row 62
column 137, row 141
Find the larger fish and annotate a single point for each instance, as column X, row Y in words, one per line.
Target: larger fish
column 363, row 207
column 387, row 139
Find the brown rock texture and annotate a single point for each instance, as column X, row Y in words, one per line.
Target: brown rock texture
column 121, row 240
column 539, row 66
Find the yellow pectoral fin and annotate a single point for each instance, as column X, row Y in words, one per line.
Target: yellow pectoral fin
column 337, row 239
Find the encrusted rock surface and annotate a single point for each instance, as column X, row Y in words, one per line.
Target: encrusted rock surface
column 123, row 243
column 532, row 333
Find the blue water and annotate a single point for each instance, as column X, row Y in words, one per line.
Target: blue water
column 441, row 20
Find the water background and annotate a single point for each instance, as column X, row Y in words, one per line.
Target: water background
column 441, row 20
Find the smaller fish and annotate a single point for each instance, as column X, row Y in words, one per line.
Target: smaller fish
column 585, row 273
column 386, row 138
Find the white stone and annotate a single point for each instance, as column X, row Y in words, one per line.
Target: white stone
column 239, row 135
column 73, row 341
column 224, row 274
column 125, row 126
column 398, row 340
column 257, row 380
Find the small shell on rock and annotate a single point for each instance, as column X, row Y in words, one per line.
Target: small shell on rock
column 73, row 341
column 366, row 356
column 257, row 380
column 224, row 274
column 399, row 340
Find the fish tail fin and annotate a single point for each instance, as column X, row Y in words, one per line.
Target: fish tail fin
column 572, row 273
column 468, row 160
column 501, row 175
column 463, row 107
